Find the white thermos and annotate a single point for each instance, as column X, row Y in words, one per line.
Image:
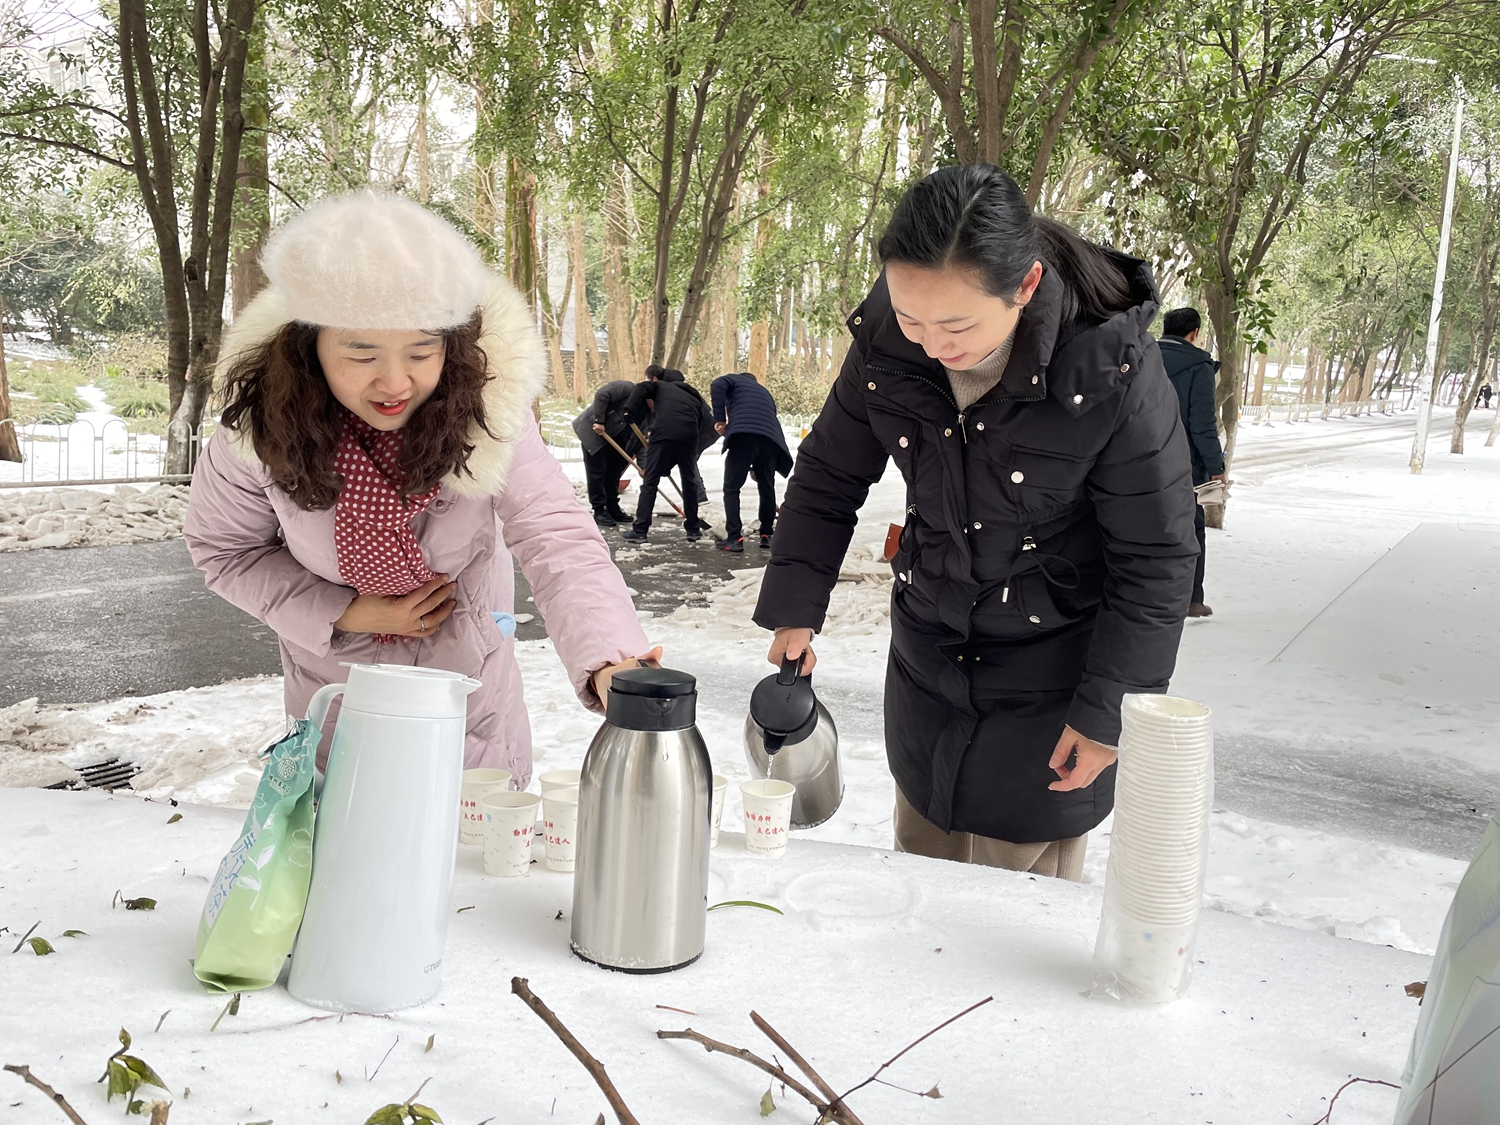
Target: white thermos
column 384, row 841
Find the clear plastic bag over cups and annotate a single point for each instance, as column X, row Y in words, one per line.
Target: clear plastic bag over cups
column 1158, row 854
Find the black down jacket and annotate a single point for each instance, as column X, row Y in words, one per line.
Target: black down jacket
column 608, row 410
column 1192, row 371
column 1046, row 562
column 671, row 408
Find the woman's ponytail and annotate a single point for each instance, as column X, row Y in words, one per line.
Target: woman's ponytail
column 974, row 216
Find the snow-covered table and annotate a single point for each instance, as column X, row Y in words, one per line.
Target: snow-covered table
column 874, row 949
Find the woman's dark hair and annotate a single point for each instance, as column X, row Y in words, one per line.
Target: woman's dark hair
column 975, row 217
column 277, row 395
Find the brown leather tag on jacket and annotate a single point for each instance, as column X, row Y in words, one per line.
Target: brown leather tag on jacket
column 892, row 541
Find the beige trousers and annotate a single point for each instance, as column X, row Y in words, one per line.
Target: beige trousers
column 1057, row 859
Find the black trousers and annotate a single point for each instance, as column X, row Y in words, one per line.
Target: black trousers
column 603, row 471
column 1202, row 553
column 746, row 452
column 662, row 456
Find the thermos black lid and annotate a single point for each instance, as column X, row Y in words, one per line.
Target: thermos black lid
column 653, row 699
column 784, row 707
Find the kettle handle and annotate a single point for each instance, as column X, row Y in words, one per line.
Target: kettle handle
column 790, row 670
column 317, row 706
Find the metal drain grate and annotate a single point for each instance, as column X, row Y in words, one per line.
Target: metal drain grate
column 113, row 774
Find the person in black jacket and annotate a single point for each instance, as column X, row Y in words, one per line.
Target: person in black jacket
column 675, row 418
column 1005, row 365
column 745, row 414
column 1192, row 371
column 599, row 423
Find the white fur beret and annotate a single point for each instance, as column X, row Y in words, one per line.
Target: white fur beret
column 367, row 260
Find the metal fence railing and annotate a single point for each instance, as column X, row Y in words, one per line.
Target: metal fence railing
column 85, row 452
column 1303, row 411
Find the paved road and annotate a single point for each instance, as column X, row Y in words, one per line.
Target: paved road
column 97, row 623
column 100, row 622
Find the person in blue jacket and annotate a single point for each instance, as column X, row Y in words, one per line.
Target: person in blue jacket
column 745, row 415
column 1192, row 371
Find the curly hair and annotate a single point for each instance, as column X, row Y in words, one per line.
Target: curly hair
column 277, row 395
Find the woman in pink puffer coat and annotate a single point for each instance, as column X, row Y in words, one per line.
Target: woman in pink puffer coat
column 378, row 465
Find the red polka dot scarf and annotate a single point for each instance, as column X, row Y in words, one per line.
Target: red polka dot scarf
column 377, row 550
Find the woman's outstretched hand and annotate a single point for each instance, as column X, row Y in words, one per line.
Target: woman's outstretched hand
column 1093, row 759
column 417, row 614
column 602, row 677
column 790, row 644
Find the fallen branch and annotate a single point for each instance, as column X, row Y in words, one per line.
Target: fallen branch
column 834, row 1101
column 1327, row 1117
column 57, row 1099
column 826, row 1111
column 595, row 1068
column 952, row 1019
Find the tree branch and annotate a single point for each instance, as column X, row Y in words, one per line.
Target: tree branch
column 825, row 1109
column 913, row 1043
column 595, row 1068
column 70, row 146
column 57, row 1099
column 834, row 1101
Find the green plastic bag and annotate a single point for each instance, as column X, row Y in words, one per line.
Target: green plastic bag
column 257, row 898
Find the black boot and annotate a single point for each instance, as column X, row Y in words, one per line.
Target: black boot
column 632, row 535
column 605, row 519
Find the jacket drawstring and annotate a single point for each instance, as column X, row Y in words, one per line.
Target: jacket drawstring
column 1030, row 560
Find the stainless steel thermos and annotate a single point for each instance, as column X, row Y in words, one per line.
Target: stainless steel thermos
column 640, row 882
column 790, row 736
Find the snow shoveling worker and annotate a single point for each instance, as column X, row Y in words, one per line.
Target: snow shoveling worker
column 1047, row 557
column 377, row 465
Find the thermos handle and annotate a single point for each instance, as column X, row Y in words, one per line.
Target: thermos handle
column 317, row 706
column 790, row 670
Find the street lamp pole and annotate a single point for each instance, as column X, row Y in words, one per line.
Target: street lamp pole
column 1429, row 370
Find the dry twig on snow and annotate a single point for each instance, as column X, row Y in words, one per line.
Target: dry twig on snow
column 1327, row 1117
column 595, row 1068
column 826, row 1112
column 57, row 1099
column 878, row 1070
column 834, row 1101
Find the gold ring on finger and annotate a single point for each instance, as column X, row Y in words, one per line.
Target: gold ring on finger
column 422, row 624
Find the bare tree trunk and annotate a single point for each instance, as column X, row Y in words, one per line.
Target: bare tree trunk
column 729, row 340
column 760, row 330
column 585, row 345
column 252, row 196
column 1223, row 310
column 1260, row 378
column 620, row 308
column 10, row 443
column 521, row 259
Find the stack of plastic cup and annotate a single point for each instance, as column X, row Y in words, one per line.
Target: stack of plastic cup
column 1158, row 850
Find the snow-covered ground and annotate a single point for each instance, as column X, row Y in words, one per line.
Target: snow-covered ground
column 871, row 949
column 1318, row 512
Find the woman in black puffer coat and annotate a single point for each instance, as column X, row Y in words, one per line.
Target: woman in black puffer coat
column 1047, row 558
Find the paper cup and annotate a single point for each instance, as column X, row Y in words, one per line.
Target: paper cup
column 558, row 779
column 768, row 815
column 475, row 785
column 509, row 826
column 718, row 810
column 560, row 819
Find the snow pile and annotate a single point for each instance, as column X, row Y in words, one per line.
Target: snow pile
column 196, row 745
column 859, row 605
column 78, row 517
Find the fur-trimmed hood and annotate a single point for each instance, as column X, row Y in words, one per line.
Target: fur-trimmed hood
column 517, row 368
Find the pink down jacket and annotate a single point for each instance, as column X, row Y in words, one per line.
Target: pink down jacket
column 273, row 560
